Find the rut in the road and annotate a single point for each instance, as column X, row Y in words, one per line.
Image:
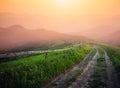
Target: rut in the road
column 113, row 81
column 82, row 80
column 60, row 82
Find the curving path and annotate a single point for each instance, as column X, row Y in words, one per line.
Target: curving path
column 82, row 80
column 24, row 53
column 86, row 64
column 61, row 81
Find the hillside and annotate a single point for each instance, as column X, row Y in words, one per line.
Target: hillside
column 17, row 36
column 114, row 37
column 104, row 33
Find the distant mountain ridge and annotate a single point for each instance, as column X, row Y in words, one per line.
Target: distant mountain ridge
column 104, row 33
column 105, row 29
column 18, row 36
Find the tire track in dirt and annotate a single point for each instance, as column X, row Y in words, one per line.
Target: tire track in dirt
column 62, row 79
column 99, row 77
column 82, row 80
column 113, row 81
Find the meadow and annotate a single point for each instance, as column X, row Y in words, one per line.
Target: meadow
column 36, row 71
column 114, row 53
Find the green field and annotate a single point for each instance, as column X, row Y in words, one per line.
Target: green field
column 114, row 53
column 36, row 71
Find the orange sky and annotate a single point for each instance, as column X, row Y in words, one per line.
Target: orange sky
column 55, row 7
column 62, row 13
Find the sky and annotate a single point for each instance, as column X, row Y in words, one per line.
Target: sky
column 61, row 15
column 61, row 7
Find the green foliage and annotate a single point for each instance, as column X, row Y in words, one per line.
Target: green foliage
column 36, row 71
column 114, row 53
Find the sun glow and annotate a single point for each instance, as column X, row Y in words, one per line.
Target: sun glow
column 64, row 2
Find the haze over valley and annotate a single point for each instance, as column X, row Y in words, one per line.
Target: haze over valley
column 18, row 30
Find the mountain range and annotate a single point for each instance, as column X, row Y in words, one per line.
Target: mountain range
column 17, row 36
column 104, row 33
column 105, row 29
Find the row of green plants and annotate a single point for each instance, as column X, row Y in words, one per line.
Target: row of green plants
column 98, row 78
column 36, row 71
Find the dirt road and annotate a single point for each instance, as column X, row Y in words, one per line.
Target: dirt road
column 65, row 78
column 24, row 53
column 82, row 80
column 113, row 81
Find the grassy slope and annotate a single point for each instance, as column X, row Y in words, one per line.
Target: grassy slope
column 114, row 53
column 35, row 71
